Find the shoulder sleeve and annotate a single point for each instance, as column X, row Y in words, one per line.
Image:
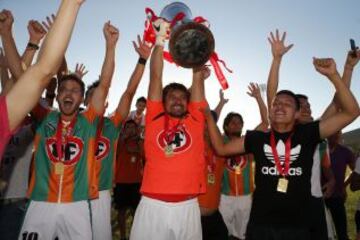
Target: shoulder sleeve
column 249, row 142
column 116, row 119
column 311, row 131
column 194, row 109
column 90, row 114
column 153, row 108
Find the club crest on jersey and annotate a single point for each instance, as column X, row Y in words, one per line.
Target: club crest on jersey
column 103, row 148
column 181, row 140
column 235, row 161
column 72, row 151
column 280, row 147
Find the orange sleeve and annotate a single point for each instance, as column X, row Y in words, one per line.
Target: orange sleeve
column 90, row 114
column 153, row 108
column 116, row 119
column 194, row 109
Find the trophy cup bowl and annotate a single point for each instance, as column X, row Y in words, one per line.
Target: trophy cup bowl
column 191, row 44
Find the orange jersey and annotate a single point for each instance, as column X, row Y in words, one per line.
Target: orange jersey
column 128, row 162
column 179, row 171
column 213, row 173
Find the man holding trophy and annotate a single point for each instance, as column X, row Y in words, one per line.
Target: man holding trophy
column 174, row 143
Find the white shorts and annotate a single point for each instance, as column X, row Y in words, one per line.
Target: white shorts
column 155, row 219
column 236, row 213
column 101, row 216
column 45, row 220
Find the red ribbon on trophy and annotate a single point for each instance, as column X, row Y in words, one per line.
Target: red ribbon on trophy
column 150, row 37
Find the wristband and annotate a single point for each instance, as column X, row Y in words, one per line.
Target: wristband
column 32, row 46
column 142, row 61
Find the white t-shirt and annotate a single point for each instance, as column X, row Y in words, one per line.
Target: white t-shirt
column 321, row 148
column 136, row 118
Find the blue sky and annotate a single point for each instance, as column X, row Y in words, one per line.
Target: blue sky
column 320, row 28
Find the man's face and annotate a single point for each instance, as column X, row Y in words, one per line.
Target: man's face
column 140, row 106
column 234, row 128
column 176, row 103
column 305, row 111
column 130, row 130
column 283, row 110
column 69, row 97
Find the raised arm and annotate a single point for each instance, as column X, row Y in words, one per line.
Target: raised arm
column 27, row 91
column 63, row 69
column 157, row 60
column 125, row 101
column 6, row 81
column 233, row 147
column 278, row 50
column 349, row 66
column 111, row 34
column 350, row 108
column 8, row 42
column 197, row 87
column 221, row 104
column 50, row 91
column 36, row 33
column 254, row 91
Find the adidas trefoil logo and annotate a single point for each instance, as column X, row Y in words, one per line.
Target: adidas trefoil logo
column 280, row 147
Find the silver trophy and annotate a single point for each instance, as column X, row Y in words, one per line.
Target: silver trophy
column 191, row 43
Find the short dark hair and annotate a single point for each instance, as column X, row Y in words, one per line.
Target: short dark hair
column 141, row 99
column 301, row 96
column 72, row 77
column 290, row 94
column 175, row 86
column 229, row 117
column 93, row 85
column 130, row 121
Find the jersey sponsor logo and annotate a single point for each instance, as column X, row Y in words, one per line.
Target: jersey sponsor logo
column 280, row 147
column 235, row 161
column 72, row 151
column 181, row 142
column 103, row 148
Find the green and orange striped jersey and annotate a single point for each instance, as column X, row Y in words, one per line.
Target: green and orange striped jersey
column 238, row 177
column 78, row 180
column 105, row 154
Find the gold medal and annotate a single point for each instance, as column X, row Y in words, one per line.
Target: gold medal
column 59, row 168
column 211, row 178
column 282, row 185
column 168, row 150
column 237, row 170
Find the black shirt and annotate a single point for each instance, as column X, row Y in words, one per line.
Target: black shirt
column 271, row 207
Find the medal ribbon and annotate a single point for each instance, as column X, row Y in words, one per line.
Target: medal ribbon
column 170, row 133
column 59, row 137
column 285, row 169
